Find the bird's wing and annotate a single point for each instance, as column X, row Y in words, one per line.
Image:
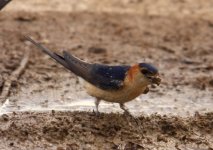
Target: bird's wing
column 109, row 77
column 102, row 76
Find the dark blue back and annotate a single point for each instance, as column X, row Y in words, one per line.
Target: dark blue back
column 109, row 77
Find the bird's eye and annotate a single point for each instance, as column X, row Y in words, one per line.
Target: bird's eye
column 144, row 71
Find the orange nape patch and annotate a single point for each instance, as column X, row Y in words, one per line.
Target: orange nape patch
column 132, row 72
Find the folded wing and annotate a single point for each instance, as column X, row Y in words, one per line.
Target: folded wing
column 102, row 76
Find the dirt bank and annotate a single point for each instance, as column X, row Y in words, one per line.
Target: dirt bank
column 81, row 130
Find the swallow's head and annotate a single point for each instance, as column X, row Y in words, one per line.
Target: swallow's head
column 150, row 73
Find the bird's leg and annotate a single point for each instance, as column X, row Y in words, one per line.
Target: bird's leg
column 97, row 102
column 126, row 111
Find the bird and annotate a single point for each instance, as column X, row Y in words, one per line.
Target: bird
column 110, row 83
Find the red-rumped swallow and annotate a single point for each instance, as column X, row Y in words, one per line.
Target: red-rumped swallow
column 118, row 84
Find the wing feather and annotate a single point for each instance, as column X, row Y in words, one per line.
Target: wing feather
column 102, row 76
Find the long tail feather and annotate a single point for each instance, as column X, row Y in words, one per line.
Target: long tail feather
column 55, row 56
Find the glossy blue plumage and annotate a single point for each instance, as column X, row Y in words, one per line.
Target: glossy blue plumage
column 149, row 67
column 108, row 77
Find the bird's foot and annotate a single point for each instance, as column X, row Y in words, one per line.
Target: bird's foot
column 128, row 114
column 126, row 111
column 96, row 113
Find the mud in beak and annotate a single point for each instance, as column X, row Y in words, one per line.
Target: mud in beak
column 155, row 80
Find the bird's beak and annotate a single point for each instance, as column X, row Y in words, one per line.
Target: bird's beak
column 154, row 79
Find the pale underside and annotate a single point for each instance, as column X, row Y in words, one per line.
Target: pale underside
column 130, row 90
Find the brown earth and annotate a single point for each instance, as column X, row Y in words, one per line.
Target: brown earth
column 179, row 45
column 83, row 130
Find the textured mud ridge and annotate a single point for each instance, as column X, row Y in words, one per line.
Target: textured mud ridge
column 78, row 130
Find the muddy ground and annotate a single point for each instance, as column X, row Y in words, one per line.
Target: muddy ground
column 47, row 107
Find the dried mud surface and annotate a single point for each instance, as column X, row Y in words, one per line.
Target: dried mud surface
column 180, row 46
column 82, row 130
